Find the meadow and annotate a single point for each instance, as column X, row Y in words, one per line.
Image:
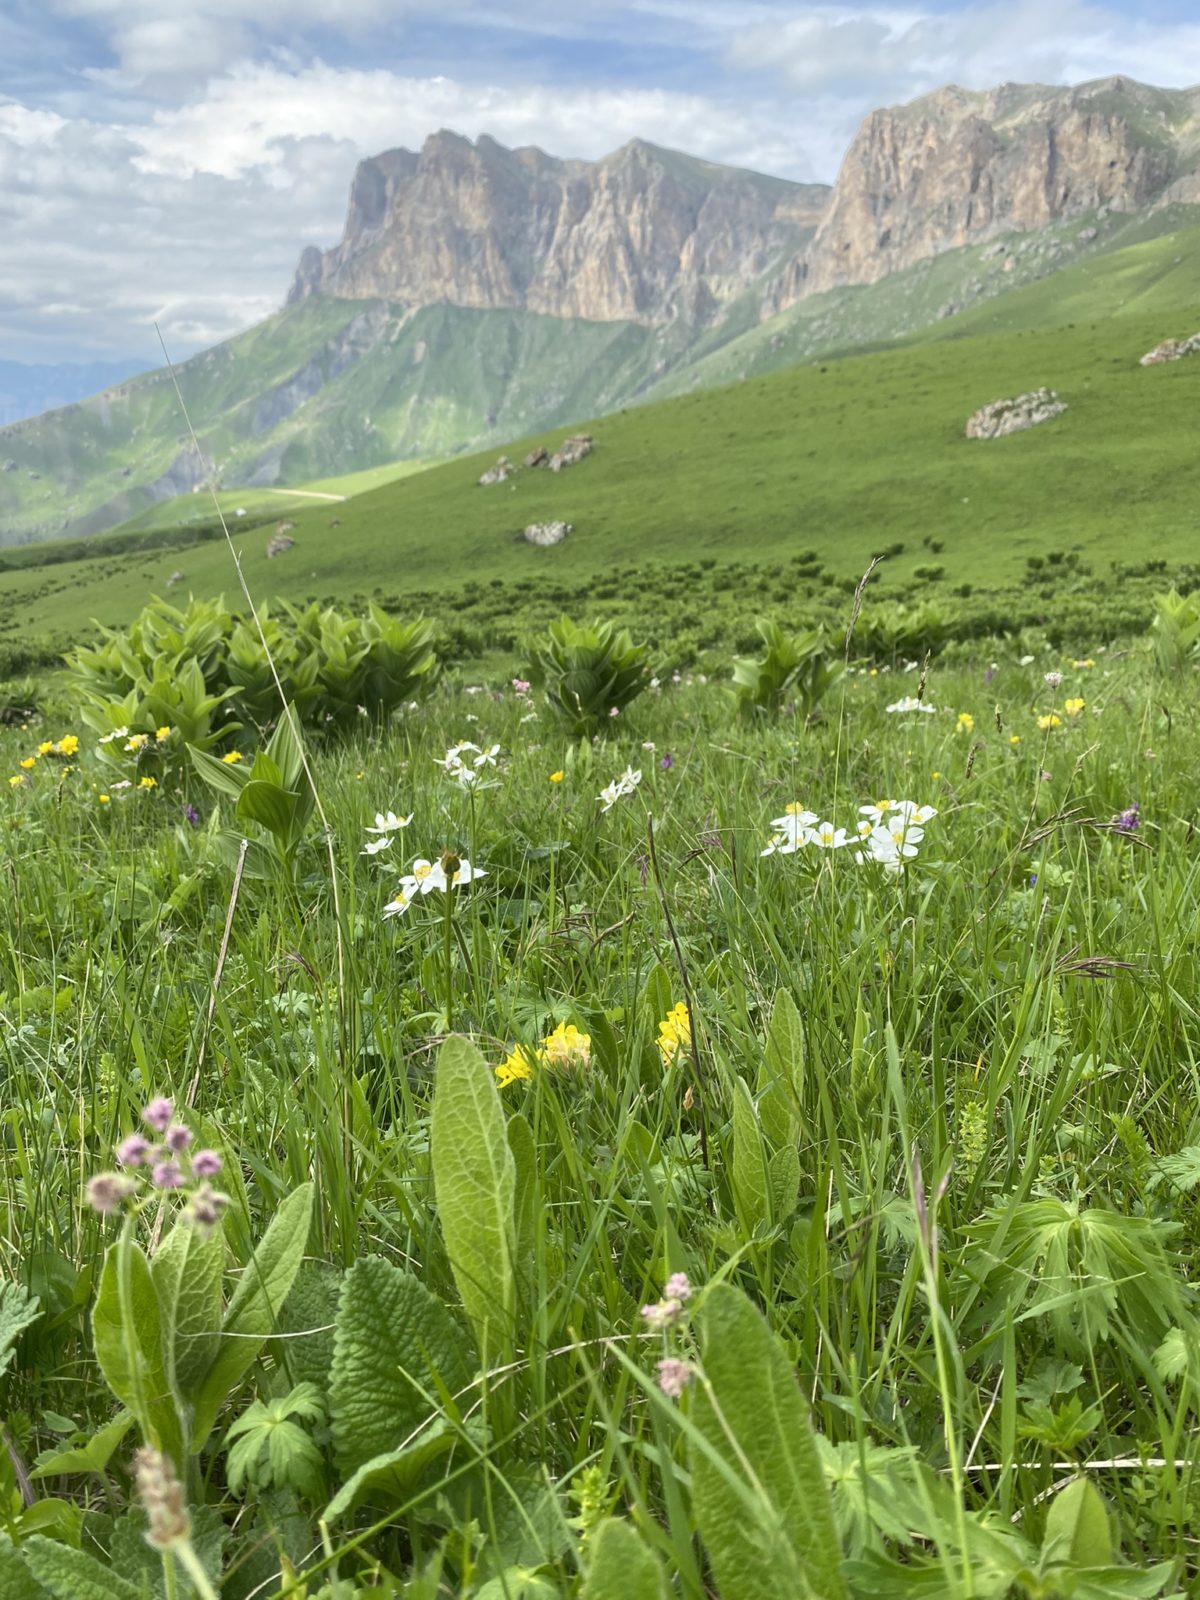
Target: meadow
column 687, row 1203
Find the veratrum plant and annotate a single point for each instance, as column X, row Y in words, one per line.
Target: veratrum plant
column 589, row 672
column 274, row 793
column 1175, row 630
column 797, row 666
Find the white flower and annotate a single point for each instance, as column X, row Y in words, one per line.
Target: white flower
column 374, row 846
column 879, row 810
column 795, row 817
column 828, row 837
column 909, row 702
column 117, row 733
column 530, row 716
column 473, row 688
column 1052, row 678
column 389, row 822
column 625, row 784
column 399, row 903
column 1025, row 661
column 487, row 758
column 911, row 812
column 426, row 876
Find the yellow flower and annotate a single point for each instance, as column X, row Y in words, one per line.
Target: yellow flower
column 68, row 745
column 566, row 1047
column 45, row 747
column 163, row 733
column 674, row 1033
column 557, row 777
column 103, row 799
column 515, row 1065
column 147, row 782
column 17, row 780
column 1014, row 738
column 29, row 763
column 935, row 774
column 1087, row 662
column 1074, row 706
column 965, row 723
column 136, row 741
column 1050, row 720
column 231, row 757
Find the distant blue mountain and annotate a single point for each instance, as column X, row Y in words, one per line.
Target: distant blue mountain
column 25, row 390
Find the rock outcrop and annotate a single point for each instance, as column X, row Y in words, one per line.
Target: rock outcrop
column 644, row 235
column 1171, row 350
column 497, row 474
column 1012, row 416
column 957, row 167
column 547, row 532
column 278, row 544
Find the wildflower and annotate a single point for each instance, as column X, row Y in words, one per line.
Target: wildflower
column 557, row 777
column 167, row 1175
column 133, row 1150
column 374, row 846
column 136, row 741
column 674, row 1033
column 662, row 1314
column 107, row 1190
column 1050, row 720
column 879, row 810
column 231, row 757
column 521, row 685
column 1014, row 738
column 1074, row 706
column 908, row 702
column 162, row 734
column 793, row 830
column 619, row 787
column 965, row 723
column 1025, row 661
column 102, row 799
column 204, row 1208
column 399, row 903
column 678, row 1287
column 487, row 758
column 673, row 1377
column 161, row 1493
column 389, row 822
column 45, row 747
column 829, row 837
column 1052, row 678
column 935, row 775
column 205, row 1164
column 177, row 1138
column 29, row 763
column 667, row 762
column 515, row 1065
column 566, row 1047
column 190, row 814
column 1086, row 662
column 158, row 1114
column 1129, row 820
column 68, row 745
column 114, row 734
column 147, row 782
column 17, row 780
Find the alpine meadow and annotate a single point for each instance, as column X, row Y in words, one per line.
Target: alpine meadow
column 600, row 829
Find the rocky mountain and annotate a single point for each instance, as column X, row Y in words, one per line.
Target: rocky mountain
column 645, row 235
column 958, row 168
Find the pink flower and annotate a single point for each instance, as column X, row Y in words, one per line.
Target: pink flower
column 673, row 1377
column 205, row 1164
column 166, row 1175
column 178, row 1138
column 205, row 1207
column 107, row 1190
column 521, row 685
column 678, row 1287
column 158, row 1114
column 132, row 1151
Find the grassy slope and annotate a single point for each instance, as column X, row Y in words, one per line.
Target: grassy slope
column 848, row 458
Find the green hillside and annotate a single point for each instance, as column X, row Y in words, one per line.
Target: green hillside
column 847, row 459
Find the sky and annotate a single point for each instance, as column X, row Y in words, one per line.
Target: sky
column 168, row 160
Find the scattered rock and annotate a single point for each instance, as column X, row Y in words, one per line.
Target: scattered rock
column 34, row 475
column 1010, row 264
column 571, row 451
column 176, row 577
column 284, row 527
column 1011, row 416
column 538, row 456
column 497, row 474
column 1171, row 350
column 10, row 465
column 277, row 544
column 1088, row 234
column 547, row 532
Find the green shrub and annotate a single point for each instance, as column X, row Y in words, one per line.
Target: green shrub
column 1175, row 630
column 797, row 665
column 587, row 673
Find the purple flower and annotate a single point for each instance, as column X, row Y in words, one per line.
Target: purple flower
column 166, row 1175
column 666, row 763
column 107, row 1190
column 205, row 1207
column 132, row 1151
column 673, row 1377
column 521, row 685
column 678, row 1287
column 989, row 675
column 1129, row 820
column 178, row 1138
column 662, row 1314
column 158, row 1114
column 190, row 814
column 205, row 1164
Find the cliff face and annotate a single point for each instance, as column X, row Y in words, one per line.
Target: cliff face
column 956, row 168
column 644, row 235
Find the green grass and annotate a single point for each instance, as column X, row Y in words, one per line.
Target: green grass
column 1002, row 1040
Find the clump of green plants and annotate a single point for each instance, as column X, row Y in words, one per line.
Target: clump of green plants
column 1175, row 629
column 589, row 674
column 799, row 667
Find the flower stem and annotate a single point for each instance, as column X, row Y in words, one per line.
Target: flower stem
column 449, row 954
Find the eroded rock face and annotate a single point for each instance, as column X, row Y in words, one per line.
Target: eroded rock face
column 957, row 167
column 547, row 532
column 643, row 235
column 1012, row 416
column 1171, row 350
column 497, row 474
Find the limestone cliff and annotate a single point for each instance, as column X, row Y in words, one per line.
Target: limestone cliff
column 644, row 235
column 957, row 168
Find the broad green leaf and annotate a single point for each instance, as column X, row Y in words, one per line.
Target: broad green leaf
column 783, row 1174
column 750, row 1191
column 524, row 1153
column 16, row 1580
column 128, row 1338
column 474, row 1179
column 781, row 1079
column 1077, row 1530
column 395, row 1474
column 395, row 1345
column 285, row 750
column 223, row 776
column 271, row 807
column 187, row 1273
column 73, row 1574
column 138, row 1562
column 621, row 1565
column 758, row 1489
column 254, row 1310
column 93, row 1456
column 18, row 1310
